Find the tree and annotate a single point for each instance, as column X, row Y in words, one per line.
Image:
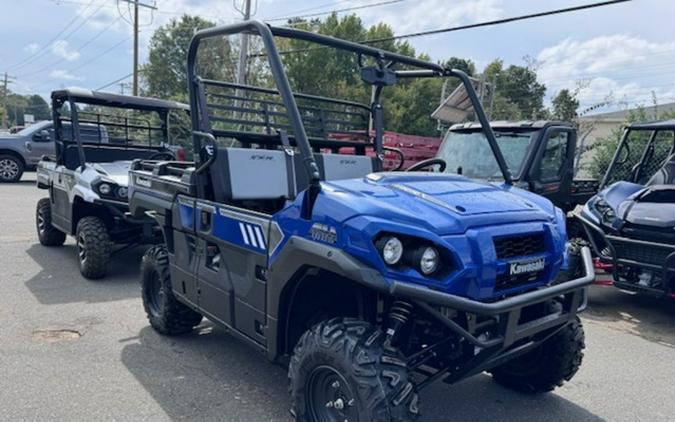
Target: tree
column 518, row 94
column 565, row 106
column 165, row 72
column 17, row 106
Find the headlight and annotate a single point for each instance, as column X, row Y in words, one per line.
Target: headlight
column 429, row 260
column 123, row 192
column 391, row 249
column 605, row 211
column 105, row 188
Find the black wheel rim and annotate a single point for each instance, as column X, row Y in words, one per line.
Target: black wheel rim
column 155, row 294
column 9, row 169
column 81, row 248
column 329, row 397
column 41, row 223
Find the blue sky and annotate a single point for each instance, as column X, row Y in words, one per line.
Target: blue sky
column 619, row 53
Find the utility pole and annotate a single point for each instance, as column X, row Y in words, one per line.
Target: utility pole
column 243, row 47
column 137, row 4
column 5, row 91
column 135, row 48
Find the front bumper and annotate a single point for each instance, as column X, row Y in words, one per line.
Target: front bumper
column 654, row 256
column 508, row 310
column 516, row 333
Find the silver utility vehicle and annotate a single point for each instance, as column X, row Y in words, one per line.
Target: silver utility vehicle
column 87, row 179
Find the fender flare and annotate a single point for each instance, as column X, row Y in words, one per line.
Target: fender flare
column 296, row 256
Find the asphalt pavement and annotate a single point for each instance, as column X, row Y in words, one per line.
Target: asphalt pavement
column 73, row 349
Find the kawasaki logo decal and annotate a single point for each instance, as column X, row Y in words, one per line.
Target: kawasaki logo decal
column 516, row 268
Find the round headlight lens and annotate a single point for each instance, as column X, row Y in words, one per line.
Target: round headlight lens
column 105, row 188
column 392, row 251
column 429, row 260
column 123, row 192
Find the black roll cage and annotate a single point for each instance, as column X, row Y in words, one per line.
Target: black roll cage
column 380, row 74
column 655, row 128
column 72, row 97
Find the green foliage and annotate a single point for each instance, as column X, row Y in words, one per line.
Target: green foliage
column 565, row 106
column 606, row 147
column 518, row 94
column 165, row 73
column 19, row 105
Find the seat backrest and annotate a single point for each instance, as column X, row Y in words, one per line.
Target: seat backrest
column 250, row 174
column 102, row 153
column 666, row 175
column 335, row 167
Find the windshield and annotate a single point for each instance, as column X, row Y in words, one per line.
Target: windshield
column 469, row 153
column 34, row 128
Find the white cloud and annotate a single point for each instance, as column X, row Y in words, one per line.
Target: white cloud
column 64, row 75
column 32, row 48
column 622, row 67
column 61, row 49
column 428, row 14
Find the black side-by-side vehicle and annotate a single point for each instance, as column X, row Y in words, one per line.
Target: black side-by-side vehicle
column 631, row 222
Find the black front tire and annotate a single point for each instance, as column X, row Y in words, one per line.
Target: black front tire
column 548, row 366
column 166, row 314
column 11, row 168
column 93, row 247
column 47, row 234
column 341, row 369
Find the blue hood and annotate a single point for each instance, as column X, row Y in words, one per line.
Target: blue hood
column 443, row 204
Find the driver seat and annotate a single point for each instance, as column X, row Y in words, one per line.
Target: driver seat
column 666, row 175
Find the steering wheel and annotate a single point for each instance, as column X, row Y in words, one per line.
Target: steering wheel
column 428, row 163
column 170, row 156
column 401, row 156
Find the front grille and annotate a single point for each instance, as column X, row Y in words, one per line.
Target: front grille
column 655, row 255
column 648, row 233
column 516, row 246
column 508, row 281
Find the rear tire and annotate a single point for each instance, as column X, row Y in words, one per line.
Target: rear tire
column 166, row 314
column 11, row 168
column 548, row 366
column 93, row 247
column 341, row 369
column 47, row 234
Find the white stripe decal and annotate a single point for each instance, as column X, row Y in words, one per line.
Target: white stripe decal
column 243, row 233
column 261, row 240
column 251, row 235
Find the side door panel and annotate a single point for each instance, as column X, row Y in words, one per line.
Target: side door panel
column 185, row 254
column 553, row 167
column 232, row 275
column 63, row 181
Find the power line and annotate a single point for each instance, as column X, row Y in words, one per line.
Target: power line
column 93, row 59
column 114, row 82
column 52, row 40
column 309, row 9
column 79, row 49
column 45, row 50
column 348, row 9
column 475, row 25
column 501, row 21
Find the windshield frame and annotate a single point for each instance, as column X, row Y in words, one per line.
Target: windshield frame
column 516, row 173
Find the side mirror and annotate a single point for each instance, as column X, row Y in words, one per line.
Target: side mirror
column 42, row 136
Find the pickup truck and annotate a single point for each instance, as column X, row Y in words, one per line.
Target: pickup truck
column 23, row 150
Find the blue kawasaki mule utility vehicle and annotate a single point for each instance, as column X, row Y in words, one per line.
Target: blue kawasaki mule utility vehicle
column 631, row 223
column 372, row 285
